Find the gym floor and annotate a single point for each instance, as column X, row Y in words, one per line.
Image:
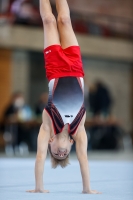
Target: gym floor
column 111, row 174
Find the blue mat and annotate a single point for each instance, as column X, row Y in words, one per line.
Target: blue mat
column 113, row 178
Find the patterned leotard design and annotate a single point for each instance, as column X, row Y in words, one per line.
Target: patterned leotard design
column 66, row 103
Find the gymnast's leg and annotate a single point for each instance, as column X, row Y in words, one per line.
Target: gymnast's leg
column 67, row 35
column 51, row 35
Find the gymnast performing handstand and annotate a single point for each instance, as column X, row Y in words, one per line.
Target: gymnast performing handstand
column 64, row 115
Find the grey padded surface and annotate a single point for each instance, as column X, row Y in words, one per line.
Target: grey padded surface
column 113, row 178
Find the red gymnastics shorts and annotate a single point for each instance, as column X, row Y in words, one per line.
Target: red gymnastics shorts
column 63, row 62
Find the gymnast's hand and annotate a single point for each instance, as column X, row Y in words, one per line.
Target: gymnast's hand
column 38, row 191
column 91, row 192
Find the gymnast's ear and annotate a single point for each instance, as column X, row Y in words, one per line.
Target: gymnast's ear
column 71, row 141
column 51, row 140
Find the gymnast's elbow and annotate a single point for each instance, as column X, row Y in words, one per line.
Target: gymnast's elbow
column 82, row 158
column 40, row 156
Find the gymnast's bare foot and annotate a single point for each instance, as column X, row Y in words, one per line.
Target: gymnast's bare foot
column 38, row 191
column 91, row 192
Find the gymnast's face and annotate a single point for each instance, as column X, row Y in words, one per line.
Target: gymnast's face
column 60, row 147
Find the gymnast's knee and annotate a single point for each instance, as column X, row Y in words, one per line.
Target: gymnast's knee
column 48, row 19
column 64, row 19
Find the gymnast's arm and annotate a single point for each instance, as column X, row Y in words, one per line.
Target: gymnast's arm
column 42, row 146
column 81, row 151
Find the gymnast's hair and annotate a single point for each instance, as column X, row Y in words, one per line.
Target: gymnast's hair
column 55, row 162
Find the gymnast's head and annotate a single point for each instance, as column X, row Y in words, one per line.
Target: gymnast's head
column 59, row 149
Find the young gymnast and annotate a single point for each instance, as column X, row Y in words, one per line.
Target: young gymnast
column 64, row 115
